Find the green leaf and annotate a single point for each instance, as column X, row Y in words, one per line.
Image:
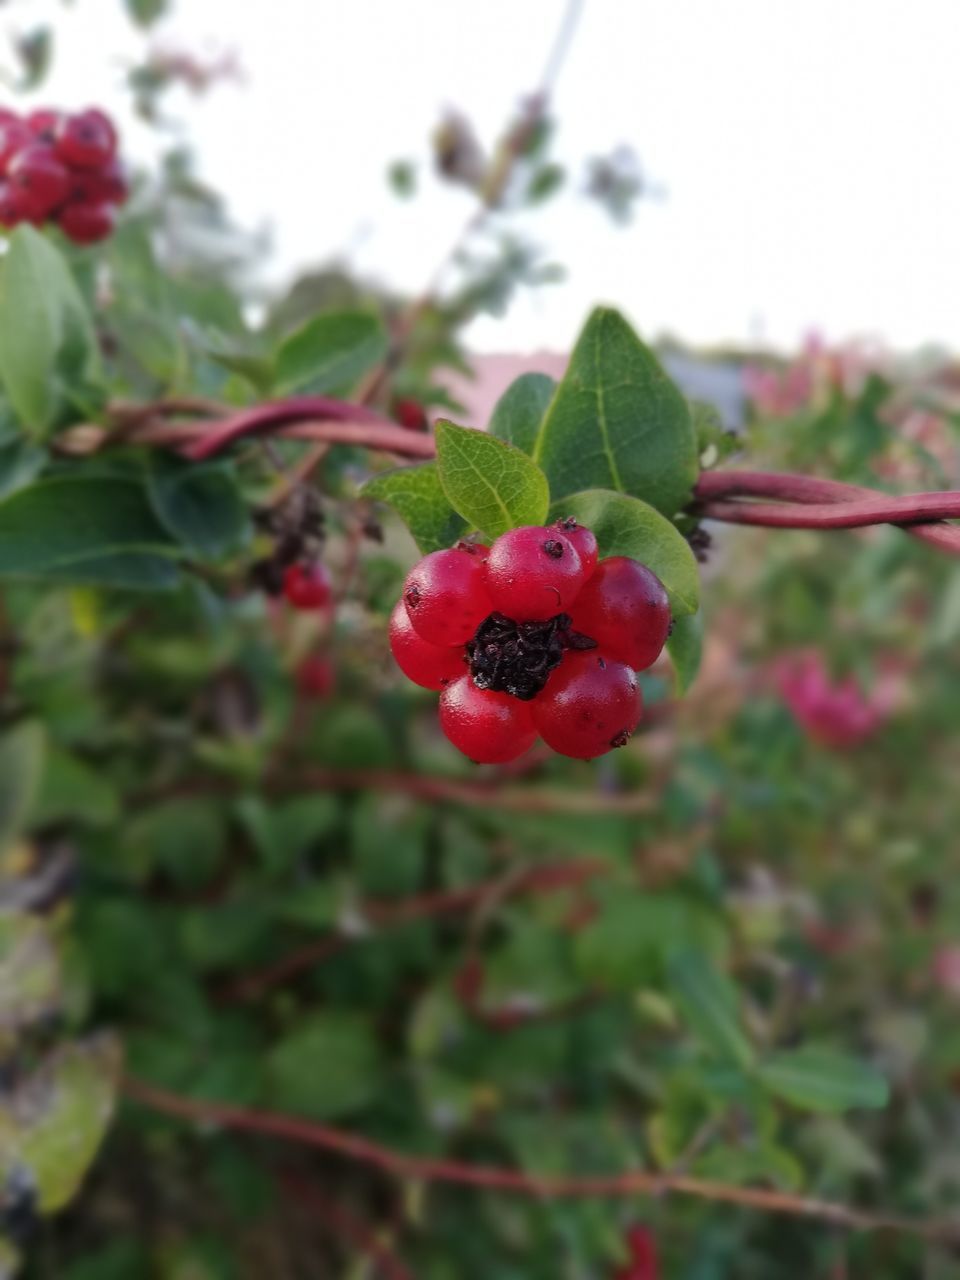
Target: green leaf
column 328, row 1067
column 494, row 486
column 72, row 789
column 707, row 1000
column 625, row 526
column 145, row 12
column 330, row 353
column 22, row 750
column 201, row 507
column 57, row 1119
column 20, row 464
column 821, row 1079
column 29, row 971
column 626, row 945
column 618, row 422
column 417, row 496
column 46, row 335
column 685, row 647
column 520, row 410
column 81, row 529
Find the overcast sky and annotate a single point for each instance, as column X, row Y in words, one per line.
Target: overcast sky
column 807, row 148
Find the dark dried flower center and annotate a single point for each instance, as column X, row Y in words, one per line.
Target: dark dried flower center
column 517, row 657
column 554, row 548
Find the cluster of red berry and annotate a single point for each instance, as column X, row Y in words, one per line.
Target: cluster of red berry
column 307, row 588
column 533, row 636
column 61, row 168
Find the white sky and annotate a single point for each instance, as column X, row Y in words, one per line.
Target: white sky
column 808, row 148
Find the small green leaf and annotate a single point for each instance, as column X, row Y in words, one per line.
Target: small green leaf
column 46, row 334
column 29, row 971
column 520, row 410
column 20, row 464
column 625, row 526
column 201, row 507
column 22, row 750
column 329, row 1066
column 618, row 422
column 494, row 486
column 330, row 353
column 81, row 529
column 72, row 789
column 821, row 1079
column 685, row 647
column 57, row 1119
column 146, row 12
column 707, row 1001
column 417, row 496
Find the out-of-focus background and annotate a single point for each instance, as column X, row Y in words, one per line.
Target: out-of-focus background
column 238, row 846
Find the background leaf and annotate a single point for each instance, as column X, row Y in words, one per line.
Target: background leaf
column 520, row 410
column 201, row 507
column 494, row 486
column 328, row 1066
column 21, row 767
column 707, row 1001
column 820, row 1079
column 618, row 422
column 417, row 496
column 330, row 353
column 625, row 526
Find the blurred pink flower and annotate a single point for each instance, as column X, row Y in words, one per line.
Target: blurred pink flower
column 946, row 968
column 836, row 713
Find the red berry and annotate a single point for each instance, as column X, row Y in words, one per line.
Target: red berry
column 533, row 573
column 43, row 123
column 101, row 186
column 432, row 666
column 315, row 676
column 306, row 586
column 489, row 728
column 40, row 177
column 87, row 140
column 625, row 608
column 14, row 136
column 446, row 597
column 12, row 210
column 590, row 704
column 411, row 414
column 643, row 1263
column 583, row 540
column 86, row 223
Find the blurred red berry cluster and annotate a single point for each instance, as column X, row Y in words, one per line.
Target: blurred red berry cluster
column 61, row 168
column 835, row 713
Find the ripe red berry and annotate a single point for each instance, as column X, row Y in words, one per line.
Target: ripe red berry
column 43, row 123
column 431, row 666
column 590, row 704
column 533, row 573
column 445, row 595
column 625, row 608
column 14, row 136
column 306, row 586
column 643, row 1263
column 12, row 209
column 108, row 185
column 489, row 728
column 87, row 140
column 86, row 223
column 315, row 677
column 411, row 414
column 583, row 540
column 40, row 178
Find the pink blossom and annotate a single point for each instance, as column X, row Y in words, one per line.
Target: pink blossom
column 837, row 713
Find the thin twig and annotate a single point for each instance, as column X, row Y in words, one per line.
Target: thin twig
column 429, row 1169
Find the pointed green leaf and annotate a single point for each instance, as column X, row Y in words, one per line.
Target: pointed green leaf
column 200, row 506
column 625, row 526
column 21, row 767
column 618, row 422
column 520, row 410
column 494, row 486
column 821, row 1079
column 330, row 353
column 417, row 496
column 707, row 1001
column 328, row 1066
column 46, row 335
column 685, row 647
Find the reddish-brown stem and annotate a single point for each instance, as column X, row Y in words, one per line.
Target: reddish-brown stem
column 547, row 879
column 855, row 514
column 397, row 1164
column 278, row 413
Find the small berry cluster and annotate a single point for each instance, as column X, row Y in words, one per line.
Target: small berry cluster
column 61, row 168
column 533, row 636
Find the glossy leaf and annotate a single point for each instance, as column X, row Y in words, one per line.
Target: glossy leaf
column 201, row 507
column 685, row 647
column 520, row 410
column 618, row 422
column 494, row 486
column 417, row 496
column 625, row 526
